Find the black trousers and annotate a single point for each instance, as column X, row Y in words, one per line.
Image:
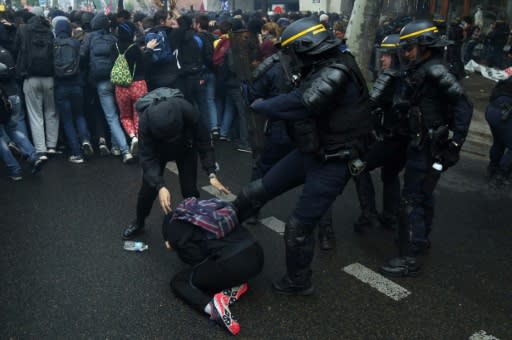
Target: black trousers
column 187, row 167
column 238, row 263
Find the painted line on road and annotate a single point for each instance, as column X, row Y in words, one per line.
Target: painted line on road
column 172, row 167
column 274, row 224
column 482, row 335
column 212, row 191
column 377, row 281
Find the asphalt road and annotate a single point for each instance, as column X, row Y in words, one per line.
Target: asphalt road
column 64, row 274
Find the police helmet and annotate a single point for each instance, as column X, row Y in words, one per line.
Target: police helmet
column 422, row 33
column 307, row 36
column 390, row 43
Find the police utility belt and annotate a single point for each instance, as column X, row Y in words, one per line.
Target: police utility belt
column 355, row 165
column 436, row 135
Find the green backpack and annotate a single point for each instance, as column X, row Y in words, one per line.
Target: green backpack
column 120, row 74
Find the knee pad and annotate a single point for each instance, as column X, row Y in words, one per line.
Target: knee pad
column 297, row 234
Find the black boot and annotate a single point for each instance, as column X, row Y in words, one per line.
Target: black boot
column 300, row 248
column 388, row 221
column 286, row 286
column 249, row 202
column 326, row 237
column 132, row 230
column 401, row 267
column 366, row 220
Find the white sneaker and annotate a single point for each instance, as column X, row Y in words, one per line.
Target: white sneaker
column 115, row 151
column 134, row 146
column 76, row 159
column 128, row 158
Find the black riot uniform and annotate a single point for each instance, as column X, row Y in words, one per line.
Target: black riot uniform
column 391, row 129
column 269, row 79
column 330, row 118
column 437, row 105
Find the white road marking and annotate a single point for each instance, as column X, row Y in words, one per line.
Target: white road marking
column 377, row 281
column 212, row 191
column 274, row 224
column 172, row 167
column 482, row 335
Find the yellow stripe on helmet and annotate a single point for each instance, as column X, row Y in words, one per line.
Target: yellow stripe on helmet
column 389, row 45
column 317, row 29
column 413, row 34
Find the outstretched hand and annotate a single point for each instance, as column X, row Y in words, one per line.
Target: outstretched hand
column 164, row 196
column 219, row 186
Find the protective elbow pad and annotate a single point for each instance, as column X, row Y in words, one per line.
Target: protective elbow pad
column 384, row 80
column 447, row 81
column 323, row 88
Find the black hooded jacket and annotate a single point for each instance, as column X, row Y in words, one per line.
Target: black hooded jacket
column 186, row 133
column 22, row 47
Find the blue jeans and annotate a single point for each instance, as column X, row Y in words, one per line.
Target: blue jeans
column 10, row 161
column 16, row 129
column 108, row 104
column 207, row 102
column 235, row 103
column 70, row 106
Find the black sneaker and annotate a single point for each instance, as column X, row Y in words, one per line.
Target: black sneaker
column 15, row 150
column 326, row 237
column 215, row 133
column 87, row 149
column 286, row 286
column 37, row 165
column 401, row 267
column 132, row 230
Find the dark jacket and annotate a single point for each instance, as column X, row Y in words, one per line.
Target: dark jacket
column 161, row 74
column 100, row 24
column 8, row 78
column 133, row 55
column 135, row 59
column 193, row 247
column 22, row 46
column 190, row 55
column 63, row 30
column 207, row 52
column 440, row 98
column 156, row 152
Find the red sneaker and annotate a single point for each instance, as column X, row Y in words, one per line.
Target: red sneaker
column 236, row 292
column 222, row 315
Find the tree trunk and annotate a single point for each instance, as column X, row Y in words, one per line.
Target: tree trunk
column 361, row 32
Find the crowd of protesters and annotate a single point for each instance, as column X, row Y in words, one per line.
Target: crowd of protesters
column 207, row 57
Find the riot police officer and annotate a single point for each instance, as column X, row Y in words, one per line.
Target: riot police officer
column 391, row 130
column 437, row 105
column 269, row 79
column 329, row 116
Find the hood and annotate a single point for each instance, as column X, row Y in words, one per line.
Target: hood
column 63, row 29
column 38, row 21
column 99, row 22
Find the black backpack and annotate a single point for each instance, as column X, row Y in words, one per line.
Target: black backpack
column 7, row 71
column 102, row 55
column 5, row 108
column 39, row 51
column 66, row 57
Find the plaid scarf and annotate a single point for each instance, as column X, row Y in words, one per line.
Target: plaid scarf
column 216, row 217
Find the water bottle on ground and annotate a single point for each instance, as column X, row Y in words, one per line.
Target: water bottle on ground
column 135, row 246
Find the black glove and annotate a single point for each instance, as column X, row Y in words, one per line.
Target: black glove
column 450, row 156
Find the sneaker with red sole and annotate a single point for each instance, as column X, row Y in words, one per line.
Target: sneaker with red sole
column 235, row 293
column 222, row 315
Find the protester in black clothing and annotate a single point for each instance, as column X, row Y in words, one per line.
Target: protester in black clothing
column 170, row 130
column 219, row 264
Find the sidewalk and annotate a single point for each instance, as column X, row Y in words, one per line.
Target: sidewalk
column 479, row 138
